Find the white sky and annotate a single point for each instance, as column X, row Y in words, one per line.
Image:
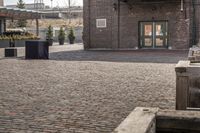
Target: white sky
column 47, row 2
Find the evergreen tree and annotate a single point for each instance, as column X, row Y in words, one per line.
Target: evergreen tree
column 21, row 4
column 21, row 22
column 71, row 36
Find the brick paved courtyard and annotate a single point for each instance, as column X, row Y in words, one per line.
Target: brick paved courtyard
column 80, row 91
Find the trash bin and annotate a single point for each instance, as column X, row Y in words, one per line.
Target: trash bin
column 37, row 50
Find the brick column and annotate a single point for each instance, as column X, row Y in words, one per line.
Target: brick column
column 197, row 17
column 86, row 24
column 116, row 24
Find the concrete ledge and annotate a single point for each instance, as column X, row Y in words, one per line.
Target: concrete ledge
column 141, row 120
column 182, row 66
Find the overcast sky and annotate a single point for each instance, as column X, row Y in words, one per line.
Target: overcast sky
column 48, row 2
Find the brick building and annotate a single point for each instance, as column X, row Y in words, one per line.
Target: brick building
column 133, row 24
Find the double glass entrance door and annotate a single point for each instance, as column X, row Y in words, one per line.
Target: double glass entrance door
column 154, row 34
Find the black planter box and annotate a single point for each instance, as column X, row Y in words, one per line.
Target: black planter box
column 50, row 42
column 37, row 50
column 10, row 52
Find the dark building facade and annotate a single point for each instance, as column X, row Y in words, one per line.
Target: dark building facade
column 135, row 24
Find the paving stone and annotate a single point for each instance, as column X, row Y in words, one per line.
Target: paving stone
column 80, row 91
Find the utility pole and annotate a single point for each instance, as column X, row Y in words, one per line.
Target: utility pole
column 69, row 10
column 69, row 3
column 51, row 4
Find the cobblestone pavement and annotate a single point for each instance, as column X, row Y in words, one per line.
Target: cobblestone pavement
column 80, row 91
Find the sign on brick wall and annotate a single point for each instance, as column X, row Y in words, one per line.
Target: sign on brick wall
column 101, row 23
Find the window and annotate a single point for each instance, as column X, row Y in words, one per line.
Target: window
column 101, row 23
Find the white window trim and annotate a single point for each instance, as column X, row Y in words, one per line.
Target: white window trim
column 99, row 26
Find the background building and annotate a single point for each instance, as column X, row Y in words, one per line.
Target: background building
column 32, row 6
column 132, row 24
column 54, row 13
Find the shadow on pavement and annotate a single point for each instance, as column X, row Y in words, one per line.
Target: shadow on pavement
column 148, row 56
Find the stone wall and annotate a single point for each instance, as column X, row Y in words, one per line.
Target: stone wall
column 122, row 29
column 18, row 43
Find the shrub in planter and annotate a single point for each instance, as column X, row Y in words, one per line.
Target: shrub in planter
column 49, row 35
column 71, row 36
column 13, row 38
column 61, row 36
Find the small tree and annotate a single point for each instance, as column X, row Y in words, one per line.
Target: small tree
column 49, row 34
column 71, row 36
column 21, row 22
column 61, row 36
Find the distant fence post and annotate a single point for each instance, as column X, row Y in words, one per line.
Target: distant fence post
column 37, row 27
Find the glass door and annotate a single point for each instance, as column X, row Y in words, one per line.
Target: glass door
column 160, row 34
column 146, row 34
column 153, row 34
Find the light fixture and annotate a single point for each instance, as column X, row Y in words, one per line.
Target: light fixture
column 114, row 6
column 181, row 5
